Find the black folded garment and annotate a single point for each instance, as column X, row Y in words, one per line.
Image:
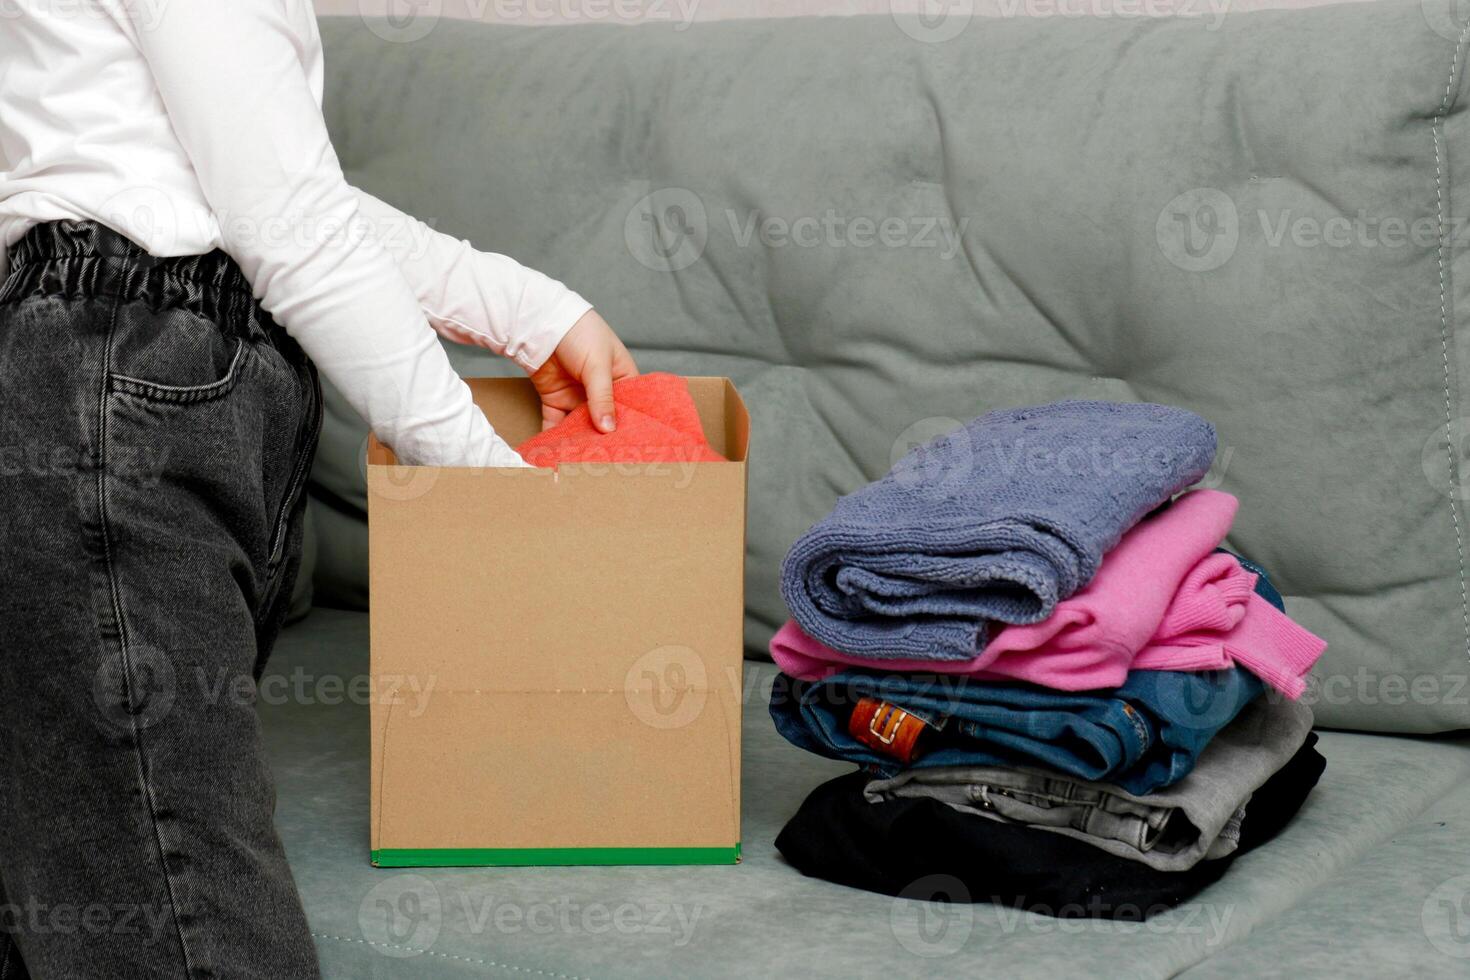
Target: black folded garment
column 921, row 848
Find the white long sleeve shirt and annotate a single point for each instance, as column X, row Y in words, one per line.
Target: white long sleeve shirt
column 190, row 125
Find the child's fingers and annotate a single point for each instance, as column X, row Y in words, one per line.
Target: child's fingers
column 623, row 365
column 597, row 381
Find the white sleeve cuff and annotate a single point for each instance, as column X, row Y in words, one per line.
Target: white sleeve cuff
column 548, row 310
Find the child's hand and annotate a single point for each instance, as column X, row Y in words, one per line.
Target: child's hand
column 586, row 363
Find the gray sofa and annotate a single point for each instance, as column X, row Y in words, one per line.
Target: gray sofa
column 878, row 226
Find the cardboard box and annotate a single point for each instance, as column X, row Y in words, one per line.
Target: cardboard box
column 557, row 655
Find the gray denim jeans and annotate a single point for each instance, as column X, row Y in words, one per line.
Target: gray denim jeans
column 156, row 430
column 1172, row 829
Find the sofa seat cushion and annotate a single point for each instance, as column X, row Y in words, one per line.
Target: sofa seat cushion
column 1370, row 828
column 1402, row 910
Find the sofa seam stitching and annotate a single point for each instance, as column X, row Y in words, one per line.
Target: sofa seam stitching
column 1436, row 126
column 453, row 956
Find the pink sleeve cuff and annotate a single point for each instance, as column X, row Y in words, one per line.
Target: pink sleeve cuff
column 1271, row 645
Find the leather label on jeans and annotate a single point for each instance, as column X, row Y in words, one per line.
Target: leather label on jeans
column 886, row 728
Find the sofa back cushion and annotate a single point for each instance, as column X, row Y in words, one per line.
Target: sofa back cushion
column 880, row 229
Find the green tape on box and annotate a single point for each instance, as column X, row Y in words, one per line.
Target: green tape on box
column 464, row 857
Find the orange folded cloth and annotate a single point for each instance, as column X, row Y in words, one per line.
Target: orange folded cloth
column 657, row 423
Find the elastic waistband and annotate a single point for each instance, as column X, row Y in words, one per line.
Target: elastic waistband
column 84, row 259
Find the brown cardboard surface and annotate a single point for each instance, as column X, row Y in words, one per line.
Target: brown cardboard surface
column 566, row 646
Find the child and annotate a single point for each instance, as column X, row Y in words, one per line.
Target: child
column 183, row 254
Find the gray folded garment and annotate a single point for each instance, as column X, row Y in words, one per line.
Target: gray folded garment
column 1172, row 829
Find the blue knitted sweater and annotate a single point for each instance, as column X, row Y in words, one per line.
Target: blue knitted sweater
column 996, row 521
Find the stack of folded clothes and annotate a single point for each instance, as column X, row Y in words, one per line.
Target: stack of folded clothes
column 1062, row 691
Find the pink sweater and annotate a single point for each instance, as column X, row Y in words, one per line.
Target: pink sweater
column 1162, row 600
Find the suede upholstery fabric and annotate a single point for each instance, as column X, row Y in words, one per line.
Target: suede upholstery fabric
column 878, row 237
column 1413, row 886
column 1343, row 886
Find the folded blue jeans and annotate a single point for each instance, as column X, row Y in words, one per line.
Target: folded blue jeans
column 1142, row 736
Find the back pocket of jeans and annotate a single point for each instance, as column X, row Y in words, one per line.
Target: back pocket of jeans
column 171, row 356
